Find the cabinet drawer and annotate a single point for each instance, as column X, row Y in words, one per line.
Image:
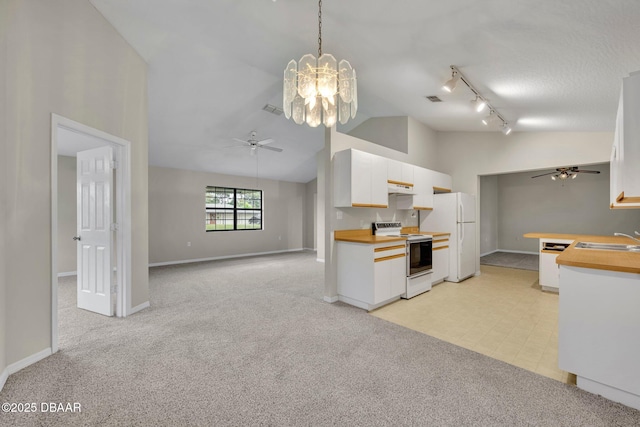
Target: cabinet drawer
column 384, row 253
column 440, row 243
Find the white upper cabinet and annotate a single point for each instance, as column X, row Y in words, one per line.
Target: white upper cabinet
column 359, row 180
column 441, row 182
column 625, row 153
column 400, row 173
column 423, row 189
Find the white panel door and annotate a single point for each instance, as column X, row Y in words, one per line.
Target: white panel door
column 94, row 238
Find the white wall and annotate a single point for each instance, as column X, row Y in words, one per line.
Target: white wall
column 61, row 57
column 466, row 155
column 575, row 206
column 67, row 247
column 488, row 214
column 422, row 151
column 177, row 204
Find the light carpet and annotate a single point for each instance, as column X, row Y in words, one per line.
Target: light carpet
column 511, row 260
column 250, row 342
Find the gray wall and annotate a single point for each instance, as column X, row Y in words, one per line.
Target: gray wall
column 61, row 57
column 176, row 205
column 576, row 206
column 392, row 132
column 488, row 214
column 67, row 247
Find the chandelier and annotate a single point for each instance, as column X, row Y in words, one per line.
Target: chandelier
column 320, row 90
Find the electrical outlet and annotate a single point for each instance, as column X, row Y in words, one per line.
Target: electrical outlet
column 188, row 243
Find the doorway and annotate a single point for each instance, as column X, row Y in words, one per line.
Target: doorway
column 70, row 137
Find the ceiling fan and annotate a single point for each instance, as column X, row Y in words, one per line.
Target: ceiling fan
column 254, row 144
column 564, row 173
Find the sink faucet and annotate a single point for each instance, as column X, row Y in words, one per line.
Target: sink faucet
column 626, row 235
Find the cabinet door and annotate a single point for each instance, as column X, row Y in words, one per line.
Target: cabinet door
column 423, row 186
column 361, row 177
column 379, row 187
column 398, row 276
column 440, row 263
column 381, row 281
column 441, row 182
column 549, row 273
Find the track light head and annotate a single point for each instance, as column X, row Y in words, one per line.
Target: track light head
column 479, row 104
column 450, row 85
column 506, row 129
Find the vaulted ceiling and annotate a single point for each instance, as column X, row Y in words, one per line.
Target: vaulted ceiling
column 545, row 65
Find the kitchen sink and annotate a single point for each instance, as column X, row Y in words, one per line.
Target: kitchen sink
column 608, row 246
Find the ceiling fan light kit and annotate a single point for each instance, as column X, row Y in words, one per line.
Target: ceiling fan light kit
column 565, row 173
column 479, row 103
column 320, row 90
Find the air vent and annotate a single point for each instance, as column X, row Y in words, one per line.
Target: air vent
column 433, row 98
column 273, row 109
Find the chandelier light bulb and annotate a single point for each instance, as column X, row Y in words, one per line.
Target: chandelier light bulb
column 554, row 177
column 574, row 176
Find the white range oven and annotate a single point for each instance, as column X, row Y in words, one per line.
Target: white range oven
column 419, row 256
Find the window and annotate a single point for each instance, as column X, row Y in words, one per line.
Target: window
column 233, row 209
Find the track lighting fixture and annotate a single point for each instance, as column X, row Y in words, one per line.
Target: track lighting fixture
column 479, row 103
column 450, row 85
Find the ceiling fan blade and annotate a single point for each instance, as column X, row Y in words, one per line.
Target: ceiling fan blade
column 544, row 174
column 271, row 148
column 586, row 171
column 240, row 140
column 266, row 141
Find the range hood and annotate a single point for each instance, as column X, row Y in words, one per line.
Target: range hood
column 400, row 188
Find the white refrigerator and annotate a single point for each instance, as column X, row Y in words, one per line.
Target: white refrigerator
column 455, row 213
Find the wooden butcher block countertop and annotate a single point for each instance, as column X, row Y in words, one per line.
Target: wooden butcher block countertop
column 365, row 236
column 627, row 262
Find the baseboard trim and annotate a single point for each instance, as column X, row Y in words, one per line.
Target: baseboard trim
column 21, row 364
column 517, row 252
column 68, row 273
column 140, row 307
column 489, row 253
column 188, row 261
column 331, row 299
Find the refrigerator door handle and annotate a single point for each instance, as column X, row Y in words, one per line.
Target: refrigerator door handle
column 461, row 213
column 461, row 233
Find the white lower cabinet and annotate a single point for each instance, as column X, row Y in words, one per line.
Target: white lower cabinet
column 440, row 259
column 549, row 271
column 369, row 275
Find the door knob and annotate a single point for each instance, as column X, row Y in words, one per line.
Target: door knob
column 77, row 238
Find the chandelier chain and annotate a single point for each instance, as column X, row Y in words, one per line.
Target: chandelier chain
column 319, row 28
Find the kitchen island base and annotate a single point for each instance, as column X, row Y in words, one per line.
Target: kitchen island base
column 598, row 330
column 608, row 392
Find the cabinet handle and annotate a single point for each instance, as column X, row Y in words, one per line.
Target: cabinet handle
column 388, row 258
